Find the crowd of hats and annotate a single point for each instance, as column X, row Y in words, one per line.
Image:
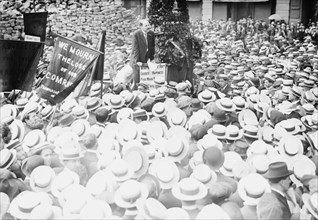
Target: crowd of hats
column 167, row 153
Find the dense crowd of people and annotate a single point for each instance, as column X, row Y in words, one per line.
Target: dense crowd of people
column 238, row 142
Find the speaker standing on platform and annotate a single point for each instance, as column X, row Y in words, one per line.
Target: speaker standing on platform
column 143, row 48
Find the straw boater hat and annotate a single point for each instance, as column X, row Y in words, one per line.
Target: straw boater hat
column 39, row 148
column 125, row 113
column 212, row 211
column 93, row 103
column 102, row 185
column 121, row 170
column 166, row 171
column 310, row 202
column 290, row 146
column 7, row 157
column 17, row 130
column 301, row 167
column 41, row 179
column 225, row 104
column 128, row 130
column 177, row 213
column 239, row 103
column 230, row 160
column 218, row 130
column 189, row 189
column 151, row 209
column 159, row 109
column 46, row 212
column 252, row 187
column 62, row 181
column 196, row 159
column 138, row 159
column 116, row 102
column 289, row 126
column 96, row 209
column 233, row 133
column 21, row 103
column 22, row 205
column 206, row 96
column 80, row 127
column 156, row 129
column 177, row 148
column 177, row 117
column 260, row 147
column 247, row 117
column 80, row 112
column 8, row 110
column 129, row 192
column 204, row 174
column 47, row 111
column 260, row 162
column 32, row 139
column 208, row 141
column 73, row 200
column 250, row 131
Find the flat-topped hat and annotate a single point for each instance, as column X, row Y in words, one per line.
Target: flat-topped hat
column 116, row 101
column 239, row 103
column 177, row 148
column 233, row 133
column 204, row 174
column 189, row 189
column 80, row 112
column 230, row 160
column 22, row 205
column 218, row 130
column 177, row 117
column 252, row 187
column 310, row 202
column 80, row 127
column 7, row 157
column 289, row 126
column 206, row 96
column 151, row 209
column 21, row 103
column 93, row 103
column 17, row 130
column 166, row 171
column 33, row 138
column 250, row 131
column 41, row 179
column 96, row 209
column 129, row 192
column 225, row 104
column 137, row 157
column 290, row 146
column 159, row 109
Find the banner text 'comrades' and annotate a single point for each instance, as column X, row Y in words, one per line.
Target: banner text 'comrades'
column 69, row 62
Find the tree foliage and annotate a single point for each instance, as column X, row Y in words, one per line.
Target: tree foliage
column 176, row 43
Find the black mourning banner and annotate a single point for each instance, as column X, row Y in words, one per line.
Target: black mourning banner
column 69, row 65
column 35, row 24
column 18, row 62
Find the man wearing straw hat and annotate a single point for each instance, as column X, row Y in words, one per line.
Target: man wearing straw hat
column 143, row 48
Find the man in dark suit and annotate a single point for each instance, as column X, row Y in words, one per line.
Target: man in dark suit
column 278, row 176
column 143, row 48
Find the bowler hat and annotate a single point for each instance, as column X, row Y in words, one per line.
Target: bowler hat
column 278, row 170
